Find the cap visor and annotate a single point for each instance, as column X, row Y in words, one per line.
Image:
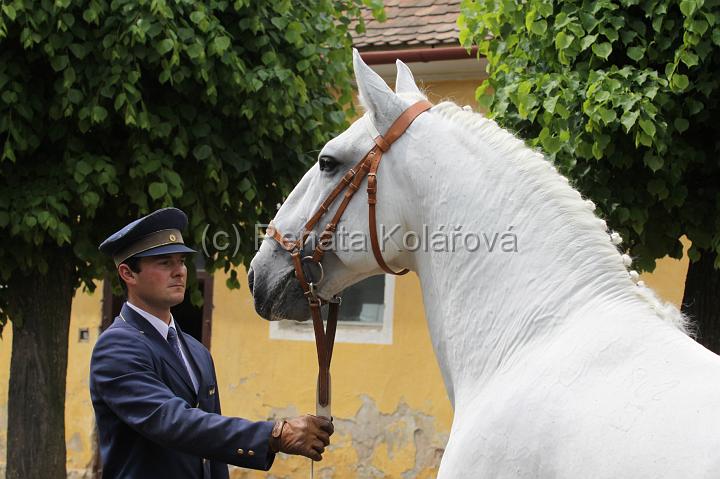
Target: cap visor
column 166, row 249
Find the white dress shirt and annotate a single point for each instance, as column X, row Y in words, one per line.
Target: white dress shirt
column 163, row 328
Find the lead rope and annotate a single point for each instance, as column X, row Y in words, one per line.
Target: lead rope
column 324, row 336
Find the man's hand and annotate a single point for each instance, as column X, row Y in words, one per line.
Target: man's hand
column 304, row 435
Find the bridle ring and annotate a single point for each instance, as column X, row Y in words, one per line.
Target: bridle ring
column 319, row 265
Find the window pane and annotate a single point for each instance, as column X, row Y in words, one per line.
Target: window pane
column 364, row 302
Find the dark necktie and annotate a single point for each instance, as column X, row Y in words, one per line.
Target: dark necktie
column 174, row 341
column 172, row 338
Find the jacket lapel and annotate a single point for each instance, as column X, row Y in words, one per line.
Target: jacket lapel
column 160, row 344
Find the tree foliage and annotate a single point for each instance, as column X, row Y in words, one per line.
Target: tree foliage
column 623, row 96
column 111, row 109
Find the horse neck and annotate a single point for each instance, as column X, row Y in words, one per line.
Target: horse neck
column 486, row 308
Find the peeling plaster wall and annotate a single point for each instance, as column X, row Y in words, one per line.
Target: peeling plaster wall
column 371, row 444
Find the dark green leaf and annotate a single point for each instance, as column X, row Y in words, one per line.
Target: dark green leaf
column 99, row 114
column 157, row 190
column 587, row 41
column 539, row 27
column 716, row 36
column 681, row 124
column 164, row 46
column 59, row 62
column 602, row 50
column 9, row 10
column 78, row 50
column 680, row 82
column 563, row 40
column 197, row 17
column 689, row 58
column 202, row 152
column 653, row 162
column 636, row 53
column 222, row 43
column 648, row 127
column 687, row 7
column 629, row 118
column 195, row 50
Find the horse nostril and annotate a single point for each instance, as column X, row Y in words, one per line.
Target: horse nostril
column 251, row 279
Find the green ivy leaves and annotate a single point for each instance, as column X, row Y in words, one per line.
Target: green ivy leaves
column 621, row 95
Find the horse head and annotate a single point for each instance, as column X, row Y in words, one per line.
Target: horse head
column 347, row 258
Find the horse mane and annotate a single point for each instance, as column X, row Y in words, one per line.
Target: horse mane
column 539, row 173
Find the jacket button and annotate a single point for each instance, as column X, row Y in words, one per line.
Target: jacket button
column 240, row 452
column 251, row 453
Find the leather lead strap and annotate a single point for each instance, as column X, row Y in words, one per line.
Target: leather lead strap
column 324, row 341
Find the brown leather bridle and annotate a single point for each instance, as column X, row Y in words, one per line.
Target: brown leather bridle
column 368, row 166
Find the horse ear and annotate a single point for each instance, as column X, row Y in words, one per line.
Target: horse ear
column 382, row 103
column 405, row 82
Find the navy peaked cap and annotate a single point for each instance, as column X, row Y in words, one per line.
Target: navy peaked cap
column 156, row 234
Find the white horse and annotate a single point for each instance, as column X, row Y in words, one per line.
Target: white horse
column 558, row 364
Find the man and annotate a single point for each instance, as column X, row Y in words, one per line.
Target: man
column 154, row 388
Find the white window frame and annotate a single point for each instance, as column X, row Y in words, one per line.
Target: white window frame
column 347, row 331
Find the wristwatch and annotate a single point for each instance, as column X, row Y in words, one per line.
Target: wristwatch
column 275, row 435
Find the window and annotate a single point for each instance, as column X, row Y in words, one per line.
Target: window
column 364, row 302
column 366, row 315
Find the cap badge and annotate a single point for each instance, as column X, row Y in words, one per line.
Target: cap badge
column 172, row 238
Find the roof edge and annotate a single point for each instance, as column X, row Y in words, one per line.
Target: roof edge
column 384, row 57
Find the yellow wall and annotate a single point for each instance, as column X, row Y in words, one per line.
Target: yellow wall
column 668, row 279
column 461, row 92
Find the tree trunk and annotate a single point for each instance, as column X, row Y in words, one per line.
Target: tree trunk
column 701, row 302
column 39, row 307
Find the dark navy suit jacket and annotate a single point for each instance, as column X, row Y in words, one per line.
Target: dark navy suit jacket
column 151, row 422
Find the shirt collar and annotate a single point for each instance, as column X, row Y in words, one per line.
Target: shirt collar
column 158, row 323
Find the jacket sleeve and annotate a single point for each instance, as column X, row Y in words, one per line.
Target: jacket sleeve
column 125, row 378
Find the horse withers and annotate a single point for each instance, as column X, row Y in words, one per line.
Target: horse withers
column 558, row 363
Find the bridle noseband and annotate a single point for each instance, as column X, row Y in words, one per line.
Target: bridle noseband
column 368, row 166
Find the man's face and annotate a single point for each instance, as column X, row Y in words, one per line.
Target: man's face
column 161, row 280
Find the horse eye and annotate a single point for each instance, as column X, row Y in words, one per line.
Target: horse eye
column 327, row 163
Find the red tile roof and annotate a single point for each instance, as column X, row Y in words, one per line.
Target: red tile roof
column 411, row 23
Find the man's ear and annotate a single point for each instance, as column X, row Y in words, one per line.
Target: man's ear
column 126, row 274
